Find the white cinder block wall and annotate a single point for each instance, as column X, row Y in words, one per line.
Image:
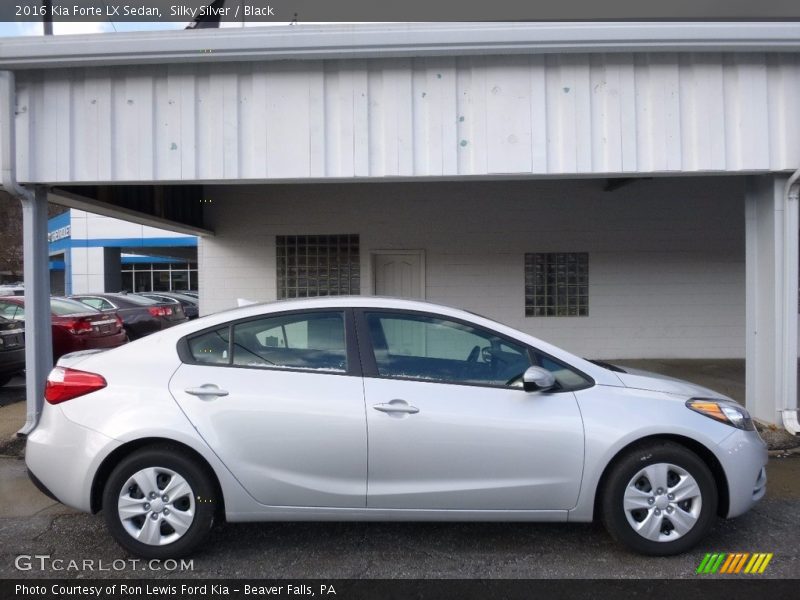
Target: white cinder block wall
column 666, row 256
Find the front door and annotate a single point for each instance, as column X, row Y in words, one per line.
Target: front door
column 280, row 400
column 449, row 426
column 399, row 274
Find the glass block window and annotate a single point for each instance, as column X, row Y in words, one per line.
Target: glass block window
column 317, row 265
column 557, row 284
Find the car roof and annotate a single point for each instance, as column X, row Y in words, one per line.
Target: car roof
column 377, row 302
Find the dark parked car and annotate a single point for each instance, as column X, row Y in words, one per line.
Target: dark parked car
column 75, row 325
column 12, row 349
column 140, row 316
column 190, row 305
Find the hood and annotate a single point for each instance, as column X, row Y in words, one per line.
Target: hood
column 654, row 382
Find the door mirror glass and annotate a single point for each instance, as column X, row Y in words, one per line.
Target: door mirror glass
column 537, row 379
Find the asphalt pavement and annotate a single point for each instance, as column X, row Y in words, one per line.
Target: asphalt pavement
column 32, row 525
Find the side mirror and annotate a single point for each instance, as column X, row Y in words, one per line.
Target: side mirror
column 537, row 379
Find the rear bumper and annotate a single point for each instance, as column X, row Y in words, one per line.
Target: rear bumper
column 743, row 456
column 107, row 341
column 167, row 323
column 79, row 343
column 143, row 327
column 41, row 487
column 62, row 457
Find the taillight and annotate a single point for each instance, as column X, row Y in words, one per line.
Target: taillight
column 157, row 311
column 77, row 326
column 120, row 324
column 65, row 384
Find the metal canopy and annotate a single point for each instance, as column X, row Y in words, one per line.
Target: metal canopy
column 393, row 40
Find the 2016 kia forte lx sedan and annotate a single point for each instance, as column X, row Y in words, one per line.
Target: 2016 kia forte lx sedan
column 383, row 409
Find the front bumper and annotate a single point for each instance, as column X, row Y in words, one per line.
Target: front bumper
column 63, row 457
column 743, row 456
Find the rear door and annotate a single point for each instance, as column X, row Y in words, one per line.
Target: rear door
column 280, row 400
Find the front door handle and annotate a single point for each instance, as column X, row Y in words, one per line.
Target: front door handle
column 396, row 407
column 207, row 390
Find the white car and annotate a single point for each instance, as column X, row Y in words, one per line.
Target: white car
column 359, row 408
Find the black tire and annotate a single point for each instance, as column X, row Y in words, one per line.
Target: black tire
column 4, row 379
column 201, row 484
column 621, row 475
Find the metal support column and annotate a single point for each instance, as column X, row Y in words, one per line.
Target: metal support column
column 771, row 225
column 38, row 334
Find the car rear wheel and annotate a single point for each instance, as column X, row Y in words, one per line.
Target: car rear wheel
column 659, row 499
column 159, row 503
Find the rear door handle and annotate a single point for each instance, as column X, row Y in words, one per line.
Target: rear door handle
column 396, row 407
column 207, row 390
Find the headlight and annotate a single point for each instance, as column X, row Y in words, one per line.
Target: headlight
column 726, row 412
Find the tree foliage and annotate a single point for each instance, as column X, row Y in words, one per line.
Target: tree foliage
column 10, row 238
column 11, row 259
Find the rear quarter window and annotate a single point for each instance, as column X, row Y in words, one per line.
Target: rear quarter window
column 211, row 348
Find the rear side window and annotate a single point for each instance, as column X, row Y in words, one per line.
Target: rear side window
column 138, row 300
column 314, row 341
column 97, row 303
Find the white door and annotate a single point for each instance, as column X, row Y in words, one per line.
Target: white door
column 451, row 428
column 280, row 407
column 400, row 274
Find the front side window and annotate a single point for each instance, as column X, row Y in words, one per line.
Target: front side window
column 314, row 341
column 435, row 349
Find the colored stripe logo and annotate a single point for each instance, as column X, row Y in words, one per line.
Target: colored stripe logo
column 734, row 563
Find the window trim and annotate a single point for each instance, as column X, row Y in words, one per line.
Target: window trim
column 370, row 367
column 351, row 343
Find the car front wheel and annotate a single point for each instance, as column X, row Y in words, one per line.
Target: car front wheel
column 660, row 499
column 159, row 503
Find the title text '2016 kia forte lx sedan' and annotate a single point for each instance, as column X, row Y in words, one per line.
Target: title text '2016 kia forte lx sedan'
column 382, row 409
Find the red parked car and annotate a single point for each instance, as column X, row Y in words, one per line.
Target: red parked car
column 75, row 325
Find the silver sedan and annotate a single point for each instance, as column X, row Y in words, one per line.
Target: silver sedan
column 379, row 409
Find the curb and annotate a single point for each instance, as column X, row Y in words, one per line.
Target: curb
column 791, row 452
